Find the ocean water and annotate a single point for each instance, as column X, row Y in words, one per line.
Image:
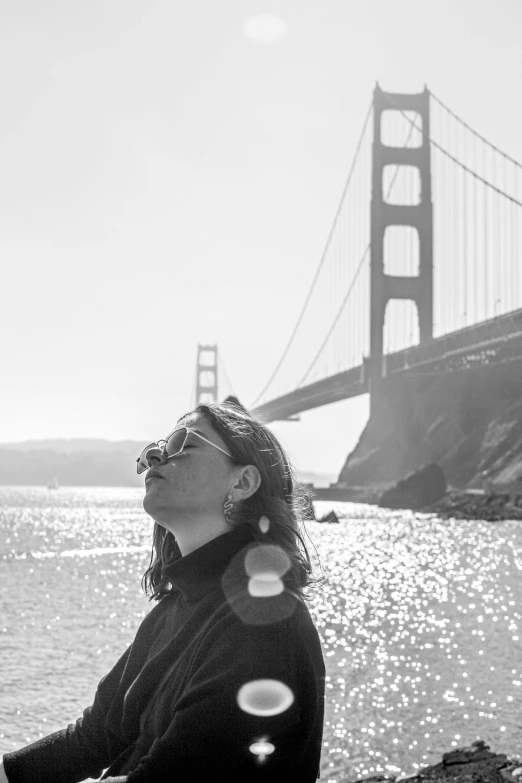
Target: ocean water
column 420, row 621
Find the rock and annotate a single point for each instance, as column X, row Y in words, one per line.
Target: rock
column 512, row 775
column 477, row 752
column 330, row 518
column 380, row 778
column 466, row 421
column 475, row 764
column 419, row 489
column 460, row 504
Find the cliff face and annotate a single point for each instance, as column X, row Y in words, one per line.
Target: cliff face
column 466, row 421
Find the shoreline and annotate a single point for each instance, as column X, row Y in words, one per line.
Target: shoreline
column 476, row 504
column 493, row 506
column 473, row 764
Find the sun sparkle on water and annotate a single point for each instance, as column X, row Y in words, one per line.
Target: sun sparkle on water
column 419, row 620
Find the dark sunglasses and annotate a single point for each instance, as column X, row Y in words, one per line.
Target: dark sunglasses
column 164, row 450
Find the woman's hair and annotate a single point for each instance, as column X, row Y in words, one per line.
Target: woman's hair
column 279, row 497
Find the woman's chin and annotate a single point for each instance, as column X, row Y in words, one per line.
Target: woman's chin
column 149, row 501
column 155, row 506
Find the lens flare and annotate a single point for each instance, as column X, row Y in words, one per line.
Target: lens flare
column 265, row 585
column 267, row 559
column 254, row 588
column 265, row 697
column 262, row 749
column 265, row 566
column 264, row 524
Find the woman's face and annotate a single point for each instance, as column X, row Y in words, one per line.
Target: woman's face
column 193, row 484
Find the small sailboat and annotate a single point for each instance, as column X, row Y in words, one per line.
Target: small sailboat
column 53, row 483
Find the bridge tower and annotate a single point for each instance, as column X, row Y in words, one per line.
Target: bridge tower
column 207, row 374
column 384, row 287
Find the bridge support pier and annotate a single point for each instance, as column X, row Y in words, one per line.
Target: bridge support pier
column 384, row 287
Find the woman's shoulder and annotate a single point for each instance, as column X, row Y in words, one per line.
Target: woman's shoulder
column 274, row 637
column 250, row 619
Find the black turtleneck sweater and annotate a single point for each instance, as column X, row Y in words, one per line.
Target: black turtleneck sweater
column 169, row 709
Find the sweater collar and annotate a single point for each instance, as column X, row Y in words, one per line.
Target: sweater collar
column 199, row 572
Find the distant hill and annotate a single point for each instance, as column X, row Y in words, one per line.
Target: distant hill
column 38, row 465
column 317, row 479
column 70, row 445
column 87, row 462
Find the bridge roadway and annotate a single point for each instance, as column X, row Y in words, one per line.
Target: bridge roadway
column 495, row 340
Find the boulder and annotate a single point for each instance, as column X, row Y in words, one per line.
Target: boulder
column 419, row 489
column 330, row 518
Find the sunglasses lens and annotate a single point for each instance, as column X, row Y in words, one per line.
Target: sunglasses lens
column 175, row 441
column 173, row 445
column 143, row 462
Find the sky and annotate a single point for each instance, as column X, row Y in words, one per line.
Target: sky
column 169, row 172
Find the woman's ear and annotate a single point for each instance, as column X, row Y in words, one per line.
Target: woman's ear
column 247, row 482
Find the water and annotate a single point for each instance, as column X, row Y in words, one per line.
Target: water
column 420, row 621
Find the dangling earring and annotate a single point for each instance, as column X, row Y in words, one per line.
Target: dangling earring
column 227, row 508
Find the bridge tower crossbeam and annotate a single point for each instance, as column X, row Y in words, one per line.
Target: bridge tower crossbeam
column 384, row 287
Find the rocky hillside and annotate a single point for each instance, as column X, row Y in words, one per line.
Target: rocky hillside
column 466, row 421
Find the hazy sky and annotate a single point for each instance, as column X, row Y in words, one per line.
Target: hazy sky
column 169, row 175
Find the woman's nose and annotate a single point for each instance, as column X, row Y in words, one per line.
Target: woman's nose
column 154, row 456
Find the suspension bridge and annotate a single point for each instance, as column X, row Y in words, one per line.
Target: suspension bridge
column 420, row 273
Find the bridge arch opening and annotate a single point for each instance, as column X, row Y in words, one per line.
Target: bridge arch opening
column 206, row 397
column 401, row 129
column 207, row 379
column 207, row 358
column 401, row 185
column 401, row 325
column 401, row 251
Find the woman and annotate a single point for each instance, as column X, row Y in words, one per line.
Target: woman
column 225, row 677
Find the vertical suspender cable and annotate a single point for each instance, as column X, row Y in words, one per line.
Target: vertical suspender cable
column 447, row 223
column 514, row 243
column 494, row 238
column 476, row 261
column 405, row 252
column 465, row 224
column 485, row 222
column 506, row 294
column 509, row 257
column 455, row 233
column 351, row 328
column 498, row 257
column 447, row 232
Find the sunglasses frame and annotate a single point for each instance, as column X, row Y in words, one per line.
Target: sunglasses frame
column 163, row 449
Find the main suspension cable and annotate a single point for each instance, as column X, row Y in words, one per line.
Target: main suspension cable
column 474, row 132
column 354, row 279
column 323, row 257
column 454, row 159
column 339, row 312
